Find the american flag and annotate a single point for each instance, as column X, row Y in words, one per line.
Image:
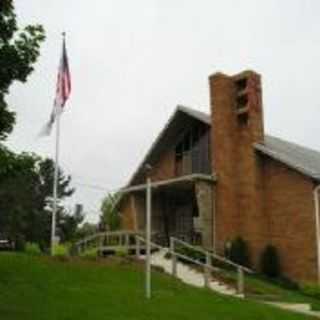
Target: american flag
column 63, row 80
column 63, row 90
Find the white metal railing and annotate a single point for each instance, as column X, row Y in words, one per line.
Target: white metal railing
column 135, row 240
column 208, row 267
column 107, row 240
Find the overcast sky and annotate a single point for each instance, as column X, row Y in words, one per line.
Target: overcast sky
column 132, row 62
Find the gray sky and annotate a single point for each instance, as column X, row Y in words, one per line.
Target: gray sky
column 132, row 62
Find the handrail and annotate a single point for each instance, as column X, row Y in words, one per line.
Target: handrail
column 106, row 233
column 177, row 254
column 214, row 255
column 153, row 244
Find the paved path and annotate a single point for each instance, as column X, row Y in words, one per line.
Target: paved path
column 303, row 308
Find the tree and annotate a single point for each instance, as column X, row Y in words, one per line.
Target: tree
column 19, row 50
column 26, row 197
column 110, row 217
column 87, row 229
column 17, row 174
column 68, row 224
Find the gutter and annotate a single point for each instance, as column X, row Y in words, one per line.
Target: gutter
column 316, row 197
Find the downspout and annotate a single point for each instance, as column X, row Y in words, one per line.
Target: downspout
column 317, row 212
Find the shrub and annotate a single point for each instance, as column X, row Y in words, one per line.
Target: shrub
column 270, row 264
column 239, row 252
column 32, row 249
column 91, row 253
column 287, row 283
column 61, row 250
column 20, row 243
column 193, row 254
column 311, row 290
column 121, row 253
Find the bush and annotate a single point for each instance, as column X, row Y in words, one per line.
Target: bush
column 311, row 290
column 61, row 250
column 287, row 283
column 190, row 253
column 239, row 252
column 270, row 263
column 20, row 243
column 121, row 253
column 33, row 249
column 91, row 253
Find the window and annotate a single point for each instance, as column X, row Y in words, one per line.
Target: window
column 191, row 152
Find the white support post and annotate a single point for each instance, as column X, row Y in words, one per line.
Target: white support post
column 55, row 186
column 148, row 239
column 317, row 226
column 240, row 285
column 137, row 247
column 173, row 257
column 207, row 270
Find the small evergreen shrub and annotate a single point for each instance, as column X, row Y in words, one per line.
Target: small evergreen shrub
column 33, row 249
column 270, row 263
column 239, row 252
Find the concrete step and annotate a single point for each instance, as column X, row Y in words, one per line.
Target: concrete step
column 189, row 275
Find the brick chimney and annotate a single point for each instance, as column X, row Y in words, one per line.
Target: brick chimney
column 237, row 123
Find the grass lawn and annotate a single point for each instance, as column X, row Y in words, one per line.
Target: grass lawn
column 34, row 288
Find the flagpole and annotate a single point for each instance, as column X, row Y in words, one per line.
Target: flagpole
column 55, row 186
column 62, row 94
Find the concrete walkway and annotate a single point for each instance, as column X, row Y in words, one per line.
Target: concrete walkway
column 303, row 308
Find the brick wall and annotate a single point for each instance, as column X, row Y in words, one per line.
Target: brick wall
column 239, row 186
column 223, row 144
column 128, row 215
column 257, row 198
column 289, row 207
column 165, row 167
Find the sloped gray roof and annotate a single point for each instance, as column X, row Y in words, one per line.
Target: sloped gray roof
column 302, row 159
column 204, row 117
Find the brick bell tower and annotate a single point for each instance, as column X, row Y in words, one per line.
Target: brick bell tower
column 237, row 123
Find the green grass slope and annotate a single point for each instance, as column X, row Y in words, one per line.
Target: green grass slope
column 34, row 288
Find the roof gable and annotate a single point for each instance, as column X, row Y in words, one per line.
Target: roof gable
column 175, row 127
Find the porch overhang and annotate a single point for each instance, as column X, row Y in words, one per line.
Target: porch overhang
column 183, row 182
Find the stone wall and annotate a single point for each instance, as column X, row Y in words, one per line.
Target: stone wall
column 204, row 196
